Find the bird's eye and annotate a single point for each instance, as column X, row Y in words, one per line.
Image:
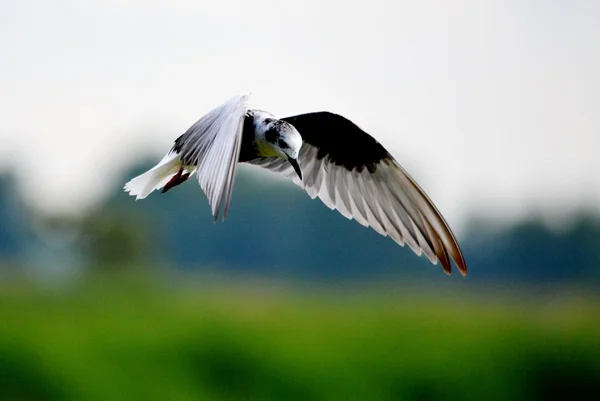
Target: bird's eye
column 271, row 135
column 282, row 144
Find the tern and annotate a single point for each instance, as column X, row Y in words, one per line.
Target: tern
column 326, row 154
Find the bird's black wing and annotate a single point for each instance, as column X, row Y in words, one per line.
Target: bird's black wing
column 351, row 172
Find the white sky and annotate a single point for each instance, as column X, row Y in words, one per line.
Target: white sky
column 494, row 106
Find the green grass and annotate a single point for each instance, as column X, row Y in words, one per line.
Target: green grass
column 123, row 339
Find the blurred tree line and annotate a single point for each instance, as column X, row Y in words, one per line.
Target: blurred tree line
column 281, row 232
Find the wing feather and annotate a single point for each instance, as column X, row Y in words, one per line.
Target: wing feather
column 358, row 210
column 351, row 172
column 213, row 144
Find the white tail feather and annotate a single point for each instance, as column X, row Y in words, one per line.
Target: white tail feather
column 155, row 178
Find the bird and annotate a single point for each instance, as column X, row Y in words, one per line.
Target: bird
column 324, row 153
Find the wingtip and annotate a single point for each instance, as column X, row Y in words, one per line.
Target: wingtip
column 245, row 95
column 447, row 268
column 461, row 268
column 460, row 262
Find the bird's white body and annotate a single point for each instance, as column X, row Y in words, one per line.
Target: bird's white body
column 211, row 148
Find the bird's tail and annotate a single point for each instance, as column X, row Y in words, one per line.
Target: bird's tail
column 155, row 178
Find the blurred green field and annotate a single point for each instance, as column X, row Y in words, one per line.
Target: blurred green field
column 132, row 339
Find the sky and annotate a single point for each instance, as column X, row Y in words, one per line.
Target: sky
column 492, row 106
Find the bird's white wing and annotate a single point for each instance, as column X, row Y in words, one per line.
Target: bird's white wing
column 212, row 144
column 351, row 172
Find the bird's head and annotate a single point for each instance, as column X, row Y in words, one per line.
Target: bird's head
column 282, row 140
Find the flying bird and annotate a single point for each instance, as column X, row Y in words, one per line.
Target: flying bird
column 326, row 154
